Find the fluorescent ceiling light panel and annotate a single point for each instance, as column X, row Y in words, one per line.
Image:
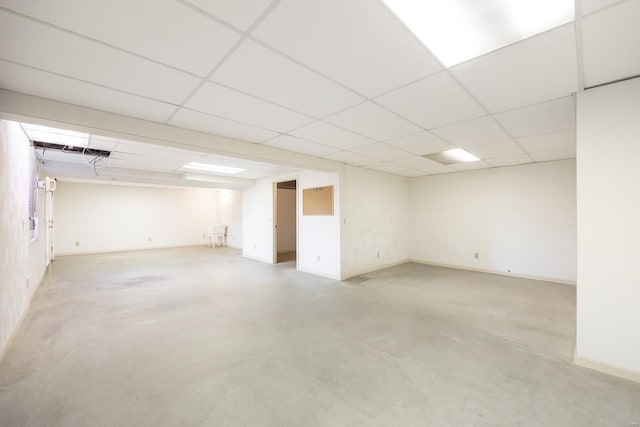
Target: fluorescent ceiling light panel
column 450, row 157
column 458, row 30
column 212, row 168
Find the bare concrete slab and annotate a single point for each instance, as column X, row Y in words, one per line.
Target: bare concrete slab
column 201, row 336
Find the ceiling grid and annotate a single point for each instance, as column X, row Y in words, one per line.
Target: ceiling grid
column 341, row 81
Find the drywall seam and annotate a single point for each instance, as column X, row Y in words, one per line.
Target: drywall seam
column 595, row 365
column 499, row 273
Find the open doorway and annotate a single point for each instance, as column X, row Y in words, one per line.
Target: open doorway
column 286, row 226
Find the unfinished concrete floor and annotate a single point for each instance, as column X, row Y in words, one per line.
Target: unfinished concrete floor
column 201, row 336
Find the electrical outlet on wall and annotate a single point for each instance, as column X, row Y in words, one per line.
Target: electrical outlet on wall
column 77, row 243
column 318, row 258
column 476, row 255
column 378, row 254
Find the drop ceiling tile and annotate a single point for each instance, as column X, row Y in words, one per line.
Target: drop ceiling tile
column 99, row 142
column 518, row 159
column 560, row 154
column 386, row 167
column 331, row 135
column 421, row 143
column 351, row 158
column 151, row 152
column 228, row 103
column 474, row 131
column 432, row 102
column 23, row 79
column 382, row 151
column 411, row 173
column 55, row 135
column 239, row 14
column 470, row 166
column 357, row 43
column 550, row 116
column 58, row 51
column 440, row 169
column 289, row 143
column 417, row 162
column 156, row 29
column 548, row 141
column 610, row 44
column 494, row 149
column 190, row 119
column 534, row 70
column 373, row 121
column 589, row 6
column 261, row 72
column 139, row 164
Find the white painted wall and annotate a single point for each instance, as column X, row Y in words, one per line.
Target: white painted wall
column 319, row 236
column 286, row 220
column 375, row 220
column 22, row 261
column 229, row 211
column 318, row 249
column 608, row 182
column 106, row 218
column 520, row 220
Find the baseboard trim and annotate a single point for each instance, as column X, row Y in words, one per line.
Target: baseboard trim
column 616, row 371
column 376, row 268
column 499, row 273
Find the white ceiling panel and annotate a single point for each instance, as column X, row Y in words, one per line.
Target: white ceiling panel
column 432, row 102
column 162, row 30
column 560, row 154
column 489, row 150
column 373, row 121
column 103, row 143
column 421, row 143
column 474, row 131
column 589, row 6
column 47, row 48
column 439, row 169
column 458, row 30
column 331, row 135
column 548, row 141
column 518, row 159
column 534, row 70
column 153, row 152
column 260, row 71
column 356, row 42
column 610, row 44
column 470, row 166
column 550, row 116
column 410, row 173
column 227, row 103
column 418, row 163
column 190, row 119
column 23, row 79
column 351, row 158
column 382, row 151
column 287, row 142
column 240, row 14
column 56, row 136
column 386, row 167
